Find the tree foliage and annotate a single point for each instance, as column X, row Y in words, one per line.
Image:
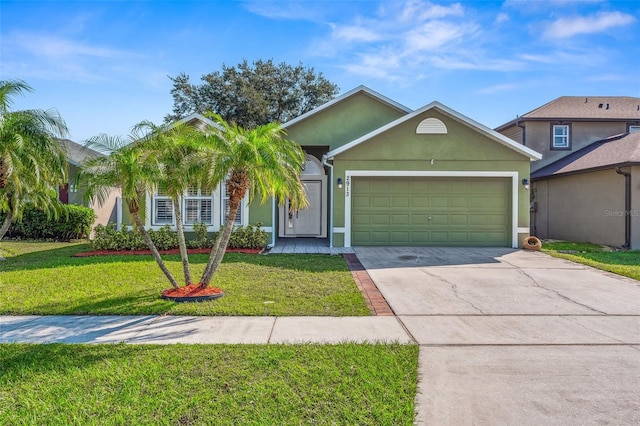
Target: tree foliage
column 251, row 95
column 32, row 162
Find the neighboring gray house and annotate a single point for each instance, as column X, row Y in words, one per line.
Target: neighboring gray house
column 569, row 123
column 592, row 195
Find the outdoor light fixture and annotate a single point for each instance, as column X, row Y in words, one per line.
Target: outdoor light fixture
column 340, row 183
column 525, row 183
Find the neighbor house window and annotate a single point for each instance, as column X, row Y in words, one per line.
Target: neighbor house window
column 634, row 128
column 162, row 207
column 560, row 136
column 198, row 206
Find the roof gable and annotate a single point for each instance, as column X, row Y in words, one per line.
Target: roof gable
column 437, row 106
column 611, row 152
column 360, row 89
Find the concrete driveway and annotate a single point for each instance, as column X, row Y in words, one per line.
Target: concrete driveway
column 514, row 337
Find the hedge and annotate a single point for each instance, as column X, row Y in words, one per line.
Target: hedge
column 74, row 222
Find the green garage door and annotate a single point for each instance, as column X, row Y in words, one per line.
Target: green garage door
column 431, row 211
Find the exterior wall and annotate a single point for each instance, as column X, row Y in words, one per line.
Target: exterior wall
column 401, row 149
column 538, row 138
column 343, row 122
column 586, row 207
column 261, row 213
column 635, row 208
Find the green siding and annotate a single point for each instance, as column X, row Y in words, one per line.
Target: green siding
column 343, row 122
column 431, row 211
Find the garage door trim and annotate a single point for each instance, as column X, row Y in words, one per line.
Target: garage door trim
column 349, row 174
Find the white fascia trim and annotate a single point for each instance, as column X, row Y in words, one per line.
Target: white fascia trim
column 418, row 173
column 344, row 96
column 339, row 230
column 533, row 155
column 524, row 230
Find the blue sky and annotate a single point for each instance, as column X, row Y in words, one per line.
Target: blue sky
column 104, row 64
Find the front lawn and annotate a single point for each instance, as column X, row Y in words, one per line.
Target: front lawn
column 44, row 279
column 626, row 263
column 346, row 384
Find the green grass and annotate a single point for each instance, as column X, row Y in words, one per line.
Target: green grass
column 346, row 384
column 625, row 263
column 44, row 279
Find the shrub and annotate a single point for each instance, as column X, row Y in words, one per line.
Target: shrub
column 74, row 222
column 108, row 238
column 248, row 237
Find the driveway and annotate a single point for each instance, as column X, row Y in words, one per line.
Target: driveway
column 514, row 337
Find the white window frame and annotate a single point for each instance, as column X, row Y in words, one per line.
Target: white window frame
column 193, row 194
column 565, row 136
column 159, row 196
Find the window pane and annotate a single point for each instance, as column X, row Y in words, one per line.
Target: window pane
column 205, row 210
column 192, row 191
column 238, row 220
column 191, row 211
column 164, row 211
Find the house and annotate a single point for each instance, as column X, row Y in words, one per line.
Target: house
column 378, row 173
column 67, row 194
column 591, row 194
column 569, row 123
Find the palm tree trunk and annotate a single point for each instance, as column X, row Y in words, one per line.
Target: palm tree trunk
column 6, row 224
column 177, row 203
column 154, row 250
column 219, row 248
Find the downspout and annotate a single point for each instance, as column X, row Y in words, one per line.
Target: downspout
column 627, row 207
column 330, row 166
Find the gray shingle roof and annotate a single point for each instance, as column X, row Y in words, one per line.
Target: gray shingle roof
column 614, row 151
column 76, row 153
column 589, row 107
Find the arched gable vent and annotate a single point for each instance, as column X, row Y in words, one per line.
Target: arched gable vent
column 431, row 126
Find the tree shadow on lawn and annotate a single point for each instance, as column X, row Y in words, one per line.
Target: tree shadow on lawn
column 62, row 257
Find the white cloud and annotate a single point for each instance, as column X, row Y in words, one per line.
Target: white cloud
column 602, row 21
column 354, row 34
column 416, row 10
column 501, row 18
column 497, row 88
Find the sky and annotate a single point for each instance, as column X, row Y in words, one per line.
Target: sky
column 105, row 65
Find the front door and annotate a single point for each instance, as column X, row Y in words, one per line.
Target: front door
column 307, row 222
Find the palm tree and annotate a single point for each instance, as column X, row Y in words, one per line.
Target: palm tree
column 175, row 148
column 32, row 163
column 260, row 162
column 129, row 166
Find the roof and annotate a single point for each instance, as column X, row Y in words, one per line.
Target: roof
column 196, row 120
column 359, row 89
column 615, row 151
column 510, row 143
column 595, row 108
column 76, row 153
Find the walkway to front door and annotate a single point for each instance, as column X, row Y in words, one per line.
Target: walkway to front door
column 307, row 246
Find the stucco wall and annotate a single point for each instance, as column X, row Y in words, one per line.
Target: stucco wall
column 538, row 138
column 635, row 207
column 343, row 122
column 587, row 207
column 462, row 149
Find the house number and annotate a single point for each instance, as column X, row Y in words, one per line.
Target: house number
column 347, row 186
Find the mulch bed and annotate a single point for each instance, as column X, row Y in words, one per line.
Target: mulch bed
column 172, row 251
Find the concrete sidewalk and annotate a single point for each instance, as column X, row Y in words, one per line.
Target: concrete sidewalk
column 210, row 330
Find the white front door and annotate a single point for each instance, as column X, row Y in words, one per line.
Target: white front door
column 307, row 222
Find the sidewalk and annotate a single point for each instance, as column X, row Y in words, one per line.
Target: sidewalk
column 209, row 330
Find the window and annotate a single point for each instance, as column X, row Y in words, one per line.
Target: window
column 634, row 128
column 198, row 206
column 162, row 207
column 560, row 137
column 225, row 206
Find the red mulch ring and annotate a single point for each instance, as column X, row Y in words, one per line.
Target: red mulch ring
column 172, row 251
column 191, row 290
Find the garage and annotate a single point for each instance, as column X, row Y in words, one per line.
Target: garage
column 437, row 211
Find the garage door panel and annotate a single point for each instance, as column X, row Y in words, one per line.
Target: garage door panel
column 431, row 211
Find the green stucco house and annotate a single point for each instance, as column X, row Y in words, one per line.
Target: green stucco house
column 379, row 173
